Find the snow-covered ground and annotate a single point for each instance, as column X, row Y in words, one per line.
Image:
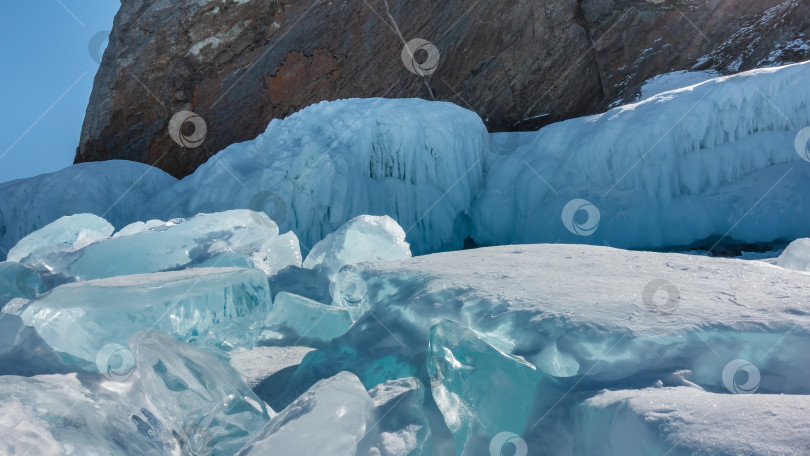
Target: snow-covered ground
column 674, row 81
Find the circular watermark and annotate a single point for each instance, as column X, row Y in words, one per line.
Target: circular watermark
column 188, row 129
column 741, row 377
column 420, row 57
column 268, row 208
column 97, row 44
column 501, row 143
column 199, row 437
column 654, row 299
column 116, row 362
column 505, row 441
column 28, row 283
column 802, row 144
column 581, row 217
column 348, row 289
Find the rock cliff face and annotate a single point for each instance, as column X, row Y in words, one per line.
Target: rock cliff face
column 518, row 63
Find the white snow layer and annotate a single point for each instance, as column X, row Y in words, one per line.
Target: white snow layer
column 520, row 336
column 796, row 255
column 673, row 81
column 717, row 161
column 683, row 421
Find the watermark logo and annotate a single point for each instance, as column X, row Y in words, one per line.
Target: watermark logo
column 97, row 44
column 268, row 208
column 502, row 443
column 116, row 362
column 802, row 144
column 348, row 289
column 661, row 297
column 418, row 50
column 741, row 377
column 29, row 283
column 502, row 143
column 188, row 129
column 581, row 217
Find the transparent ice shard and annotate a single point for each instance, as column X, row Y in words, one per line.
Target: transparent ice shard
column 330, row 418
column 67, row 233
column 361, row 239
column 222, row 239
column 78, row 319
column 301, row 318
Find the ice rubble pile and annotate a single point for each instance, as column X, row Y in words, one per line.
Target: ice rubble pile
column 137, row 353
column 539, row 347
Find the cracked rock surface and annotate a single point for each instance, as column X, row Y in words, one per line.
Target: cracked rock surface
column 519, row 64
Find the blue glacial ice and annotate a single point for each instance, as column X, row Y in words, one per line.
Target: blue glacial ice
column 401, row 425
column 195, row 393
column 330, row 418
column 679, row 168
column 710, row 162
column 295, row 319
column 564, row 327
column 361, row 239
column 70, row 232
column 23, row 352
column 115, row 190
column 61, row 414
column 173, row 398
column 472, row 381
column 196, row 305
column 237, row 238
column 357, row 157
column 18, row 281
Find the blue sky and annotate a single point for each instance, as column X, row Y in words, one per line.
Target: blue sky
column 46, row 79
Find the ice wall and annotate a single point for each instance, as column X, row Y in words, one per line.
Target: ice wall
column 114, row 190
column 719, row 159
column 419, row 162
column 722, row 160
